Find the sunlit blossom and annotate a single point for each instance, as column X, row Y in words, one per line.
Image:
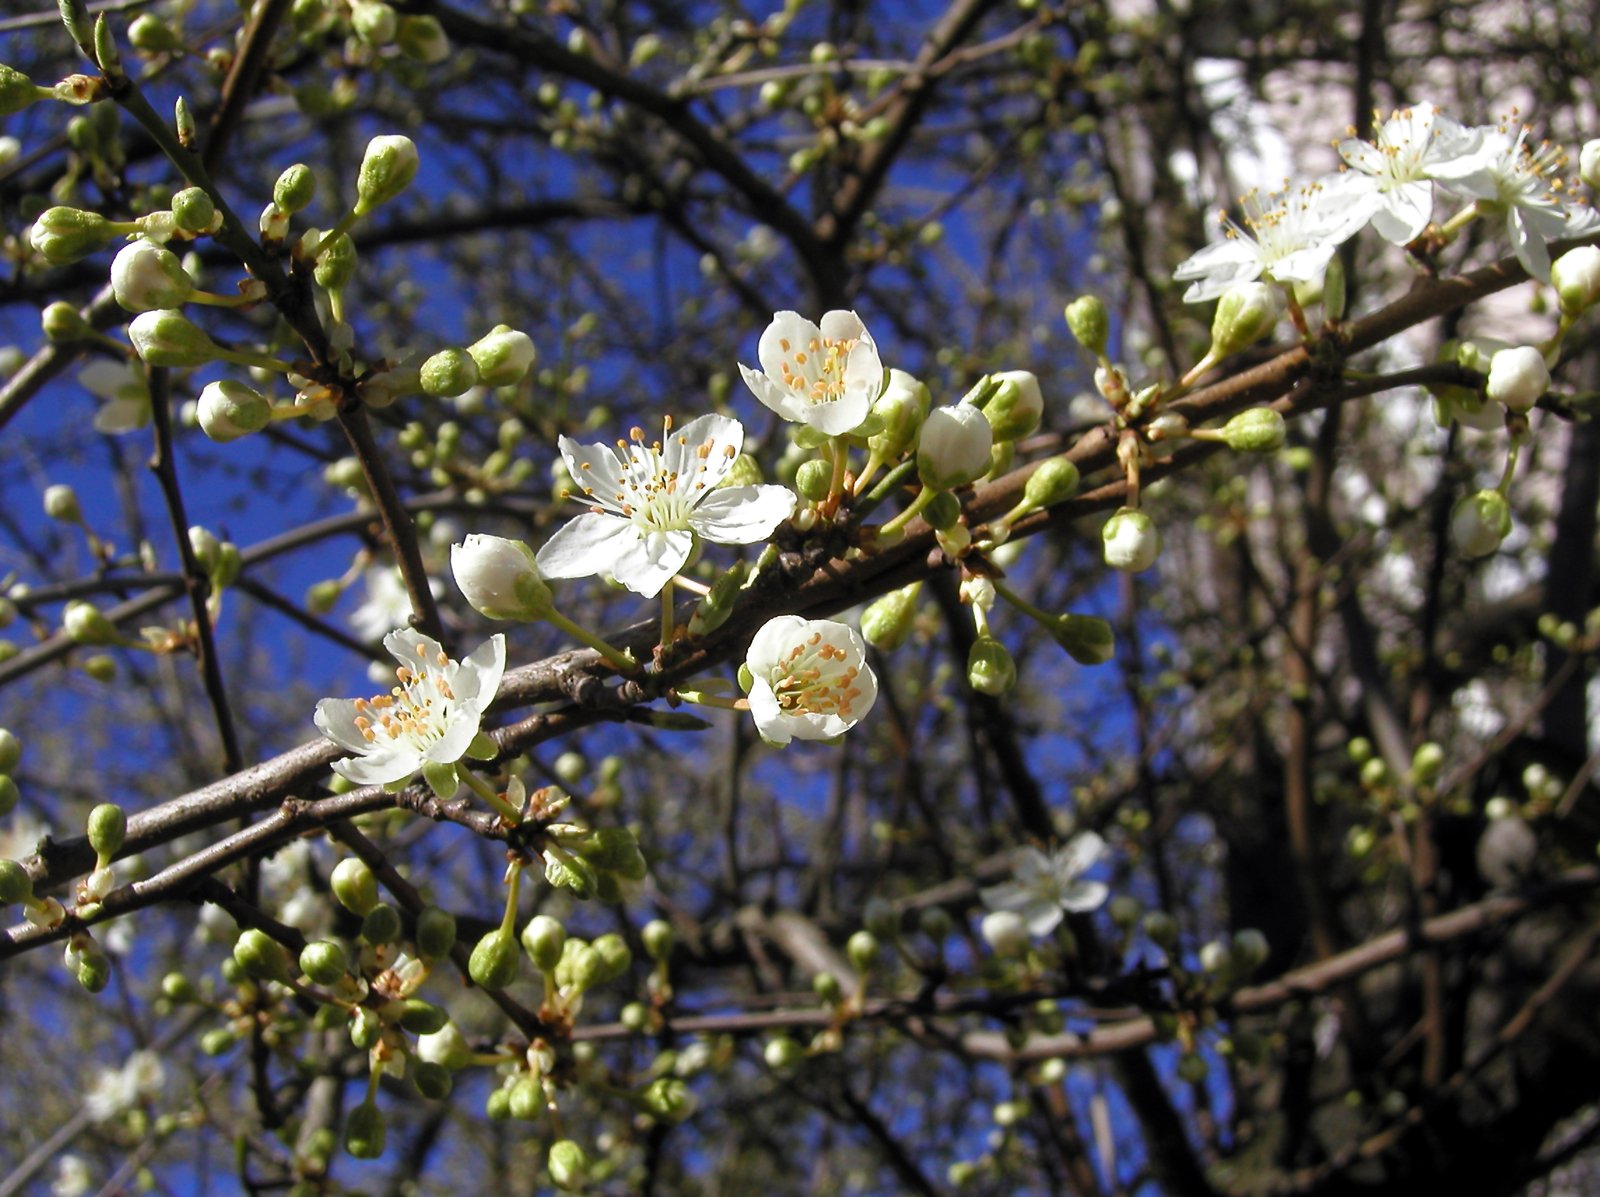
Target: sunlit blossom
column 823, row 375
column 810, row 679
column 1397, row 168
column 1046, row 884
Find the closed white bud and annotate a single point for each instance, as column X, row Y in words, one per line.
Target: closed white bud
column 205, row 547
column 167, row 338
column 61, row 503
column 902, row 407
column 499, row 578
column 274, row 224
column 1589, row 164
column 1517, row 377
column 387, row 169
column 503, row 356
column 1004, row 932
column 146, row 276
column 1576, row 278
column 228, row 410
column 84, row 625
column 1132, row 540
column 955, row 447
column 1478, row 523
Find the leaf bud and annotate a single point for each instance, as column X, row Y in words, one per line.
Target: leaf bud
column 435, row 932
column 1255, row 430
column 1088, row 639
column 295, row 188
column 1088, row 322
column 496, row 960
column 888, row 621
column 1245, row 313
column 503, row 356
column 813, row 480
column 861, row 949
column 381, row 924
column 193, row 211
column 499, row 578
column 15, row 884
column 1517, row 377
column 954, row 447
column 615, row 956
column 63, row 235
column 422, row 39
column 1015, row 407
column 990, row 669
column 712, row 611
column 260, row 956
column 107, row 828
column 1479, row 522
column 83, row 624
column 1132, row 542
column 365, row 1132
column 146, row 276
column 354, row 885
column 615, row 850
column 569, row 1165
column 168, row 338
column 544, row 938
column 573, row 873
column 387, row 168
column 449, row 373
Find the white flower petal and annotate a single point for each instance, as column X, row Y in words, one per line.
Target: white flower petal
column 336, row 719
column 1041, row 917
column 379, row 768
column 647, row 564
column 770, row 720
column 707, row 445
column 1404, row 212
column 587, row 545
column 1082, row 852
column 742, row 514
column 595, row 471
column 1083, row 896
column 485, row 665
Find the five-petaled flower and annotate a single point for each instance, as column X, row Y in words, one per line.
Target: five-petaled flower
column 1044, row 884
column 809, row 679
column 1397, row 169
column 429, row 718
column 650, row 499
column 827, row 376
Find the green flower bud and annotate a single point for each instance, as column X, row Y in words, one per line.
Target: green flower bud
column 990, row 669
column 445, row 1047
column 177, row 988
column 366, row 1028
column 827, row 988
column 422, row 39
column 365, row 1132
column 1161, row 929
column 1192, row 1068
column 149, row 34
column 387, row 169
column 1250, row 950
column 861, row 949
column 436, row 933
column 94, row 972
column 295, row 188
column 323, row 961
column 498, row 1104
column 84, row 625
column 902, row 408
column 1479, row 522
column 15, row 884
column 657, row 936
column 354, row 885
column 635, row 1016
column 449, row 373
column 374, row 22
column 813, row 480
column 381, row 924
column 433, row 1081
column 1245, row 313
column 422, row 1018
column 107, row 828
column 1255, row 430
column 544, row 938
column 61, row 503
column 1089, row 323
column 568, row 1164
column 1015, row 407
column 166, row 338
column 1131, row 539
column 782, row 1053
column 936, row 923
column 336, row 264
column 62, row 236
column 1088, row 639
column 888, row 621
column 526, row 1100
column 323, row 596
column 146, row 277
column 1216, row 958
column 194, row 212
column 63, row 325
column 615, row 956
column 9, row 795
column 943, row 511
column 217, row 1041
column 503, row 356
column 261, row 957
column 496, row 961
column 1052, row 480
column 581, row 968
column 667, row 1099
column 1427, row 762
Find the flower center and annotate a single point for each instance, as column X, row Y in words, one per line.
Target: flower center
column 415, row 710
column 655, row 498
column 816, row 372
column 815, row 679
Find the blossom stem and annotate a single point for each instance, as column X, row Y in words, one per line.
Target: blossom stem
column 1451, row 228
column 1512, row 454
column 1192, row 374
column 701, row 698
column 692, row 586
column 891, row 482
column 874, row 463
column 239, row 357
column 1022, row 604
column 328, row 238
column 215, row 300
column 615, row 656
column 487, row 792
column 925, row 496
column 1297, row 314
column 841, row 463
column 508, row 921
column 666, row 616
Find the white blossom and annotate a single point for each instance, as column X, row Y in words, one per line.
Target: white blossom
column 810, row 679
column 1288, row 238
column 1397, row 168
column 826, row 376
column 73, row 1178
column 1044, row 884
column 126, row 395
column 429, row 718
column 650, row 499
column 118, row 1089
column 1517, row 377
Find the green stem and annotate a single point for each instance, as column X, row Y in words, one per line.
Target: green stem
column 1193, row 373
column 328, row 238
column 1511, row 466
column 1022, row 604
column 701, row 698
column 874, row 463
column 924, row 497
column 508, row 921
column 487, row 792
column 620, row 659
column 1451, row 228
column 841, row 462
column 667, row 614
column 220, row 301
column 891, row 482
column 240, row 357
